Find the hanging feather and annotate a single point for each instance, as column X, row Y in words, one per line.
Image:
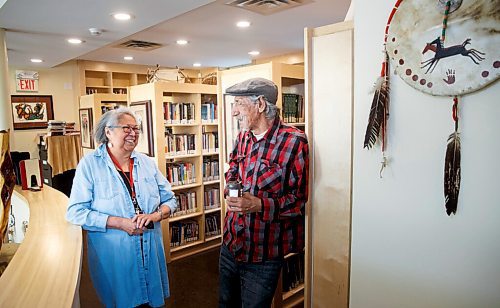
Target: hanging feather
column 377, row 121
column 452, row 173
column 378, row 112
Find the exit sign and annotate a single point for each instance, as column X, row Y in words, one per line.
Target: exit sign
column 26, row 81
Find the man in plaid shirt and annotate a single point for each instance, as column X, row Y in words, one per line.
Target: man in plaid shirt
column 271, row 161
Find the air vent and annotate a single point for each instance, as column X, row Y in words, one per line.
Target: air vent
column 267, row 7
column 139, row 45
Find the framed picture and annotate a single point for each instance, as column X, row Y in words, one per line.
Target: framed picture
column 142, row 111
column 232, row 127
column 31, row 111
column 86, row 128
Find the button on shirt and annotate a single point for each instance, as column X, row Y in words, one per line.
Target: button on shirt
column 275, row 169
column 123, row 274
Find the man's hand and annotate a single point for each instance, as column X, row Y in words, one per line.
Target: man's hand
column 247, row 203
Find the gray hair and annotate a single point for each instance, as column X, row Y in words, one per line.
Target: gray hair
column 271, row 111
column 110, row 118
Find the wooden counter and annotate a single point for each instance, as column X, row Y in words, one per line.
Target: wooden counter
column 45, row 271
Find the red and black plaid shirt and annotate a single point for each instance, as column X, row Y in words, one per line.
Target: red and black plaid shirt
column 275, row 169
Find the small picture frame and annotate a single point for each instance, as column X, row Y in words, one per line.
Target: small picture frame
column 142, row 112
column 86, row 128
column 31, row 111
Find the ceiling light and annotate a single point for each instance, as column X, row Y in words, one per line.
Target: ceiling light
column 75, row 41
column 36, row 60
column 196, row 64
column 254, row 53
column 243, row 24
column 181, row 42
column 122, row 16
column 128, row 58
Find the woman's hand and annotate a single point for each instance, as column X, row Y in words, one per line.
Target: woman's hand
column 142, row 220
column 126, row 224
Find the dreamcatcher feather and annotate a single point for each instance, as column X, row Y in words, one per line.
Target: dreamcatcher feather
column 452, row 166
column 452, row 173
column 379, row 111
column 377, row 120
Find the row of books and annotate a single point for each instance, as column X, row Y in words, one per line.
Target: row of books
column 178, row 113
column 186, row 203
column 210, row 142
column 184, row 232
column 212, row 225
column 60, row 128
column 293, row 272
column 211, row 198
column 210, row 169
column 209, row 112
column 181, row 173
column 180, row 144
column 293, row 108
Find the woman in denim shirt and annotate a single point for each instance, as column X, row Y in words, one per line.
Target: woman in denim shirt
column 119, row 196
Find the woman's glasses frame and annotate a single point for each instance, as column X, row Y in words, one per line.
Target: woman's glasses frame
column 127, row 129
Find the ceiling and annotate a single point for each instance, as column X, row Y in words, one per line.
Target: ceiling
column 39, row 29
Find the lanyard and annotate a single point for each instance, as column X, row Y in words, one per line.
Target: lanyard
column 130, row 180
column 130, row 168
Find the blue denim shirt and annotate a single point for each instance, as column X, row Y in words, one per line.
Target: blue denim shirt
column 123, row 274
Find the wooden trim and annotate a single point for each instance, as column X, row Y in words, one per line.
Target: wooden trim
column 114, row 67
column 329, row 29
column 351, row 171
column 308, row 34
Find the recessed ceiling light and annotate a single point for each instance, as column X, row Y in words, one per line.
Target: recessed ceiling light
column 36, row 60
column 254, row 53
column 196, row 64
column 128, row 58
column 122, row 16
column 181, row 42
column 243, row 24
column 75, row 41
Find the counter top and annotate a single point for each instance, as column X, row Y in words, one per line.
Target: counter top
column 45, row 270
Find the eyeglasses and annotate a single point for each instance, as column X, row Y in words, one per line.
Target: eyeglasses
column 127, row 129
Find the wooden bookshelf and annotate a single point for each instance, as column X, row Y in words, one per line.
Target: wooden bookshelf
column 291, row 293
column 165, row 97
column 109, row 78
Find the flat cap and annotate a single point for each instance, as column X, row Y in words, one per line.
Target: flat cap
column 255, row 86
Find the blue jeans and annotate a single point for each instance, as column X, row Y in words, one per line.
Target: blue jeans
column 246, row 284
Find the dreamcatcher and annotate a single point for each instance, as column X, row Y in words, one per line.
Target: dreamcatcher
column 443, row 48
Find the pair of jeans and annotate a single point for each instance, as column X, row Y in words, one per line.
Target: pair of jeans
column 246, row 284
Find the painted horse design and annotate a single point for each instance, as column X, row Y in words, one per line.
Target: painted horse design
column 441, row 52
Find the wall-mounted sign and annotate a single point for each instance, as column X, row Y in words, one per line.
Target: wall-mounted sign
column 26, row 81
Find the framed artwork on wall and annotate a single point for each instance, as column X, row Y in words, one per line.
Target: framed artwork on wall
column 31, row 111
column 142, row 112
column 86, row 128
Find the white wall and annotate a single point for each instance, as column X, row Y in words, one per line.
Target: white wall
column 62, row 83
column 406, row 252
